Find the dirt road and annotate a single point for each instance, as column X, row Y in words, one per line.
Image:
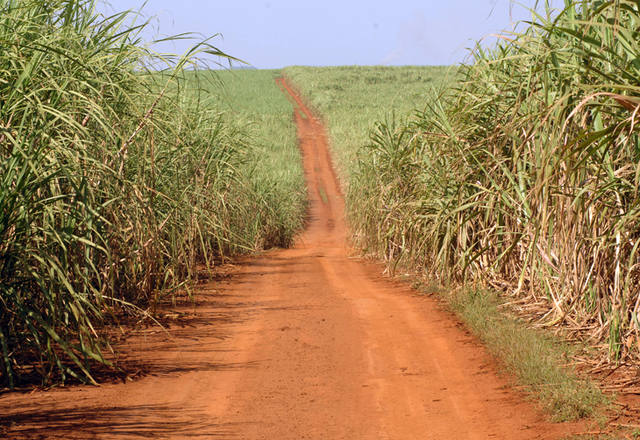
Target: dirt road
column 304, row 343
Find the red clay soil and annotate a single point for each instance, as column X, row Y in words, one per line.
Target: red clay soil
column 302, row 343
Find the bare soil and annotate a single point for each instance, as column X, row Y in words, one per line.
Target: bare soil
column 302, row 343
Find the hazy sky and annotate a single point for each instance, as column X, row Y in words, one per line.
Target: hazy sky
column 278, row 33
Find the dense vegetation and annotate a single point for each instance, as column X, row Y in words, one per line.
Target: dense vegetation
column 525, row 175
column 116, row 182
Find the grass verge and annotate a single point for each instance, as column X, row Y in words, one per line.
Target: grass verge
column 534, row 357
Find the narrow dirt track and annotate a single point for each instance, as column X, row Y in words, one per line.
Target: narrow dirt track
column 304, row 343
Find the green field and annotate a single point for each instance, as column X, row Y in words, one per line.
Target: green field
column 352, row 99
column 252, row 100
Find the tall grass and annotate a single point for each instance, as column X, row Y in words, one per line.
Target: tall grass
column 253, row 99
column 525, row 176
column 115, row 183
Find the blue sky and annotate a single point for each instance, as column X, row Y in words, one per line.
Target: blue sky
column 278, row 33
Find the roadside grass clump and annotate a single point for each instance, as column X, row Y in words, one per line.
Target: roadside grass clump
column 116, row 183
column 533, row 356
column 524, row 176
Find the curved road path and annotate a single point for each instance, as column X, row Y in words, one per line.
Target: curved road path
column 302, row 343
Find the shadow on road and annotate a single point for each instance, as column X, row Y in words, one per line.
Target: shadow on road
column 145, row 421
